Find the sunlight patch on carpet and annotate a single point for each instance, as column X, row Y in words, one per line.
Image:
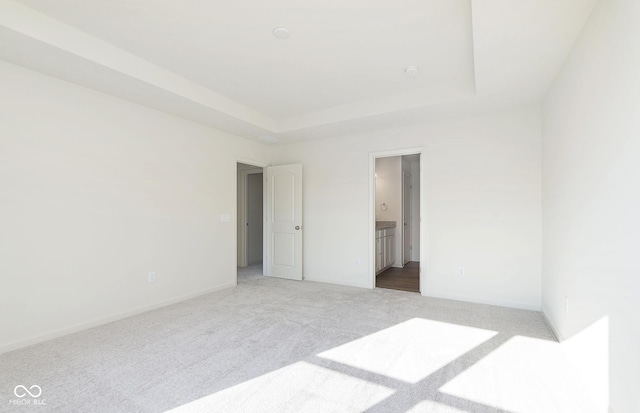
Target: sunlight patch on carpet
column 505, row 379
column 409, row 351
column 298, row 387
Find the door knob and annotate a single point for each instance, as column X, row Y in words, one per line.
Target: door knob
column 297, row 227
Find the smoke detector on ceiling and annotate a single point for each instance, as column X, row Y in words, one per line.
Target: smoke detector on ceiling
column 281, row 32
column 412, row 70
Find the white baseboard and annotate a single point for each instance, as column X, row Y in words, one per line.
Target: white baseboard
column 334, row 282
column 433, row 294
column 553, row 328
column 497, row 303
column 105, row 320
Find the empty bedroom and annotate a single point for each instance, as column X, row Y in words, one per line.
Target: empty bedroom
column 319, row 206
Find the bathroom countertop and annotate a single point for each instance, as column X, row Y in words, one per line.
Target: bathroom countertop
column 385, row 224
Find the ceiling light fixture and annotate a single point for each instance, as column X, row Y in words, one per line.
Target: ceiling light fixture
column 281, row 32
column 412, row 70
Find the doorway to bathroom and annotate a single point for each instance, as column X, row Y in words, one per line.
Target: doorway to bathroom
column 397, row 226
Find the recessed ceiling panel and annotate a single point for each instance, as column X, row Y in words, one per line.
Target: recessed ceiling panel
column 338, row 52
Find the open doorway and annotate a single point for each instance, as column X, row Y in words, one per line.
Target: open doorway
column 250, row 221
column 269, row 221
column 397, row 222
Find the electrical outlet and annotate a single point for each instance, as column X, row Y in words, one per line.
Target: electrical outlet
column 152, row 277
column 461, row 271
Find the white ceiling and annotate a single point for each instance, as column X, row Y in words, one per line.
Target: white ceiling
column 341, row 70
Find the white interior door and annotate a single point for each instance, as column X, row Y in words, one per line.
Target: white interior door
column 284, row 221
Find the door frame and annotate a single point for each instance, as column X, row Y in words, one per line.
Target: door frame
column 257, row 164
column 372, row 211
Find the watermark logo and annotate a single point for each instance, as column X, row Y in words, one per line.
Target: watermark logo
column 33, row 392
column 21, row 391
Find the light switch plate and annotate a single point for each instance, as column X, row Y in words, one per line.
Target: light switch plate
column 225, row 218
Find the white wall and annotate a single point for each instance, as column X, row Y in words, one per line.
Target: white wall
column 95, row 193
column 483, row 208
column 389, row 192
column 591, row 201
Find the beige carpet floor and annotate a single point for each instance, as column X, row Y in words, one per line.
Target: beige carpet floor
column 271, row 345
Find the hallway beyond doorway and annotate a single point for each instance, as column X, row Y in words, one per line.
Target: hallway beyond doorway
column 404, row 279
